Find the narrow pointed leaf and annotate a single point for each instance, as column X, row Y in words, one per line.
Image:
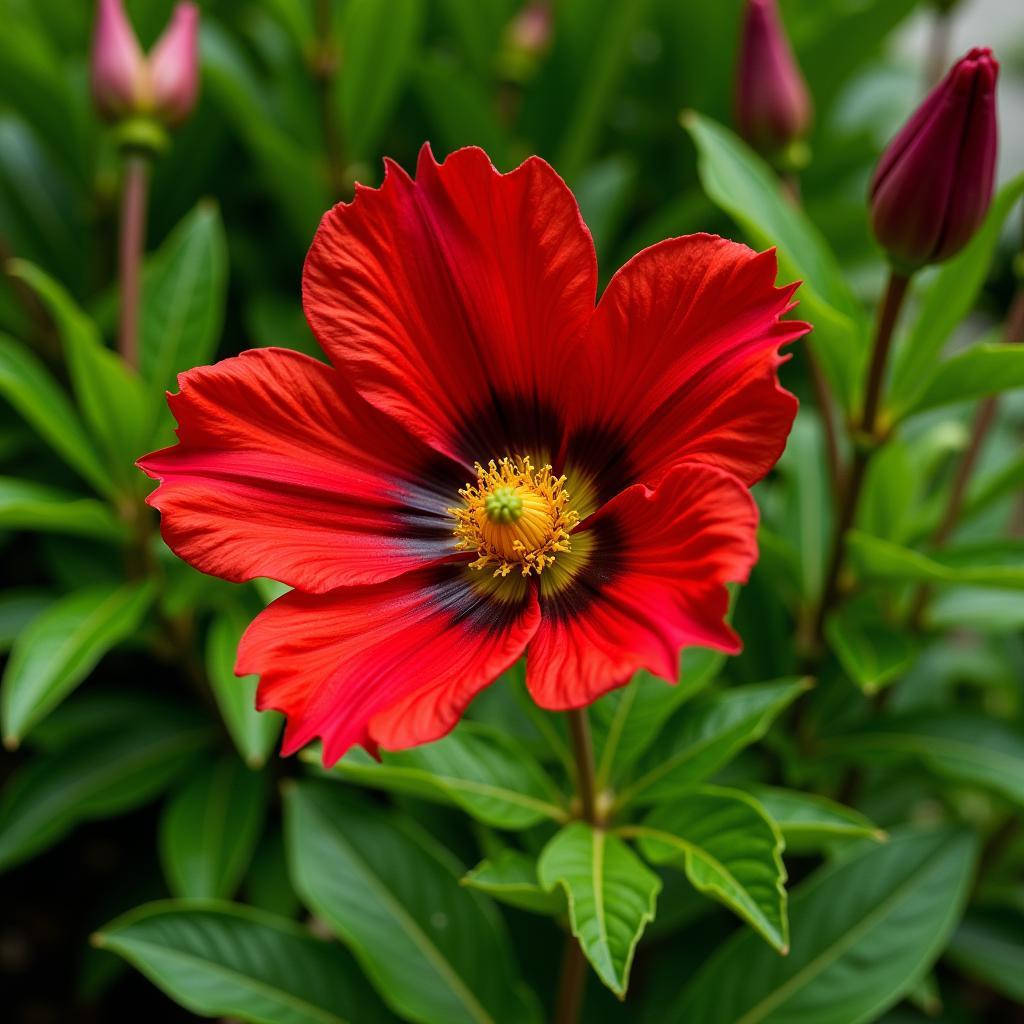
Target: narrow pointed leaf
column 808, row 821
column 511, row 876
column 611, row 896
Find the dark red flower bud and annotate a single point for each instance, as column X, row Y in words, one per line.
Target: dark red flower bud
column 773, row 107
column 933, row 185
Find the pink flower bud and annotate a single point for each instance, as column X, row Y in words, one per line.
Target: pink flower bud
column 933, row 185
column 773, row 108
column 174, row 65
column 118, row 73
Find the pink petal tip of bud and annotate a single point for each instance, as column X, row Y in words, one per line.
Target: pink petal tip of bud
column 932, row 187
column 773, row 107
column 118, row 72
column 174, row 66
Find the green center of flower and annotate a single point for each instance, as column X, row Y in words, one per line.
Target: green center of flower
column 503, row 505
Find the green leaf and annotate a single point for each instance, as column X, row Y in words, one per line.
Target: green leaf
column 474, row 767
column 963, row 746
column 221, row 959
column 742, row 185
column 183, row 291
column 949, row 296
column 980, row 371
column 25, row 383
column 989, row 945
column 611, row 896
column 703, row 737
column 18, row 607
column 864, row 928
column 267, row 884
column 626, row 721
column 379, row 42
column 984, row 565
column 102, row 774
column 873, row 652
column 209, row 830
column 809, row 822
column 254, row 732
column 111, row 397
column 62, row 646
column 27, row 505
column 511, row 876
column 729, row 848
column 435, row 951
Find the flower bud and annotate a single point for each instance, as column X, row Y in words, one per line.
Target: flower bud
column 773, row 108
column 174, row 66
column 933, row 185
column 118, row 72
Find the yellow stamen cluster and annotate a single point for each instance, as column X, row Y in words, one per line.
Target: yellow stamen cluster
column 514, row 516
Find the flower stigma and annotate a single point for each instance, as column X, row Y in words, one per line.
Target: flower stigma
column 514, row 516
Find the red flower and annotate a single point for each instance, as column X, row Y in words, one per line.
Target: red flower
column 407, row 494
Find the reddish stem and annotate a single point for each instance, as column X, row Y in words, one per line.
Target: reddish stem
column 134, row 197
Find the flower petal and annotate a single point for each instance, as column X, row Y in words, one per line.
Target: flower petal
column 390, row 665
column 455, row 300
column 645, row 578
column 681, row 364
column 281, row 470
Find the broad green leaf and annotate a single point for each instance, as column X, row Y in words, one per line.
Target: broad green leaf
column 27, row 385
column 611, row 894
column 27, row 505
column 864, row 930
column 979, row 371
column 183, row 292
column 474, row 767
column 808, row 821
column 436, row 951
column 511, row 876
column 62, row 645
column 985, row 565
column 209, row 830
column 627, row 720
column 986, row 611
column 706, row 735
column 102, row 774
column 111, row 397
column 379, row 42
column 729, row 848
column 873, row 652
column 739, row 182
column 18, row 607
column 989, row 945
column 961, row 746
column 220, row 959
column 948, row 297
column 254, row 732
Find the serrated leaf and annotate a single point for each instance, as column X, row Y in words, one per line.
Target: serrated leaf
column 104, row 773
column 864, row 930
column 511, row 876
column 729, row 848
column 475, row 767
column 27, row 505
column 611, row 896
column 27, row 385
column 226, row 960
column 742, row 185
column 209, row 830
column 254, row 732
column 62, row 645
column 703, row 737
column 435, row 951
column 808, row 821
column 183, row 298
column 627, row 720
column 962, row 746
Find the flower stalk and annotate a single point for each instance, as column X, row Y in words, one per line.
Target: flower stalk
column 132, row 243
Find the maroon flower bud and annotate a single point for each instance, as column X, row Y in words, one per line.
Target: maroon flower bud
column 933, row 185
column 174, row 65
column 127, row 85
column 773, row 108
column 118, row 73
